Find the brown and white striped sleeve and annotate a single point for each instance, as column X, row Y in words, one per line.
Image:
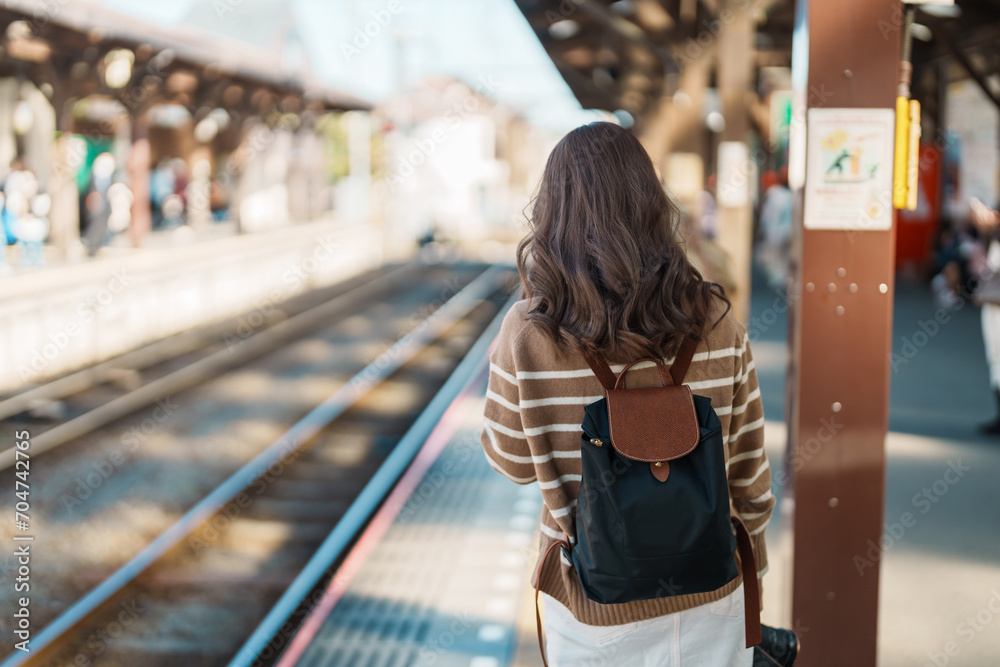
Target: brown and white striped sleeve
column 748, row 469
column 503, row 437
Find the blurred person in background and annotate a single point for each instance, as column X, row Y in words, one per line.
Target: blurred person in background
column 218, row 201
column 20, row 186
column 20, row 179
column 706, row 209
column 21, row 225
column 98, row 207
column 603, row 272
column 120, row 207
column 181, row 179
column 173, row 212
column 959, row 252
column 775, row 245
column 161, row 185
column 987, row 295
column 17, row 210
column 32, row 229
column 6, row 234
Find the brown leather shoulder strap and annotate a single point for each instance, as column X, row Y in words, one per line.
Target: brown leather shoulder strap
column 751, row 587
column 683, row 359
column 601, row 370
column 677, row 371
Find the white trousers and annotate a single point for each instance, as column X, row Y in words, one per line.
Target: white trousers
column 712, row 635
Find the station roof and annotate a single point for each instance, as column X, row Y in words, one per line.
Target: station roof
column 969, row 35
column 78, row 31
column 627, row 54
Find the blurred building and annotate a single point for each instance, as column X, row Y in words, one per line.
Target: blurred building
column 201, row 126
column 458, row 165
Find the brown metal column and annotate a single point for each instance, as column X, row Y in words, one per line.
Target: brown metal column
column 846, row 56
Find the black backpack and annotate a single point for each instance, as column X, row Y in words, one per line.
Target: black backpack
column 653, row 517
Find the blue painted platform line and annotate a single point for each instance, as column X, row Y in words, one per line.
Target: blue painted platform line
column 442, row 584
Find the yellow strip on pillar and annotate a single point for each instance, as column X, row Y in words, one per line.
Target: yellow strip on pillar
column 902, row 144
column 913, row 157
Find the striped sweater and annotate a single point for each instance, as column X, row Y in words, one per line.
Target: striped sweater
column 534, row 407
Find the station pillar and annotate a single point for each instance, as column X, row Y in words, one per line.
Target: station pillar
column 64, row 216
column 138, row 166
column 844, row 71
column 733, row 167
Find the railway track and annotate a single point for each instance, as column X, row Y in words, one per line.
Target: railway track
column 96, row 396
column 194, row 595
column 98, row 501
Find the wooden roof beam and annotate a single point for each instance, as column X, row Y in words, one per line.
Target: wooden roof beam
column 941, row 29
column 628, row 30
column 583, row 85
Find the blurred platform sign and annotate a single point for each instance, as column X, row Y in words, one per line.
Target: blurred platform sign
column 780, row 120
column 735, row 174
column 685, row 174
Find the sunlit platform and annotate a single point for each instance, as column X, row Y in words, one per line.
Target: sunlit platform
column 58, row 319
column 445, row 582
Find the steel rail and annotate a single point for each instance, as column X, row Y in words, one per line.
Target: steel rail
column 371, row 497
column 298, row 435
column 203, row 369
column 148, row 355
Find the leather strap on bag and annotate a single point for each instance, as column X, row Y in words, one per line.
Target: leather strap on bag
column 601, row 370
column 538, row 583
column 677, row 371
column 751, row 587
column 683, row 359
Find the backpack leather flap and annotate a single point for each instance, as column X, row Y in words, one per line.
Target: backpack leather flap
column 653, row 424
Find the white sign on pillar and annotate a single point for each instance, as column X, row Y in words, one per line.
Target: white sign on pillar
column 849, row 169
column 735, row 171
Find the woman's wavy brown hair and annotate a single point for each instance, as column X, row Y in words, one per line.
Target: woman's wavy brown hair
column 603, row 261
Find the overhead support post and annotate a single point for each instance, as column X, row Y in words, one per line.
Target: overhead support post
column 679, row 115
column 64, row 216
column 734, row 169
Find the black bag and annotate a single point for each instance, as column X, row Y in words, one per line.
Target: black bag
column 653, row 517
column 777, row 648
column 640, row 537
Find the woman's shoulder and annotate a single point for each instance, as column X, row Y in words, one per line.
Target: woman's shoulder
column 516, row 325
column 515, row 322
column 526, row 340
column 723, row 328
